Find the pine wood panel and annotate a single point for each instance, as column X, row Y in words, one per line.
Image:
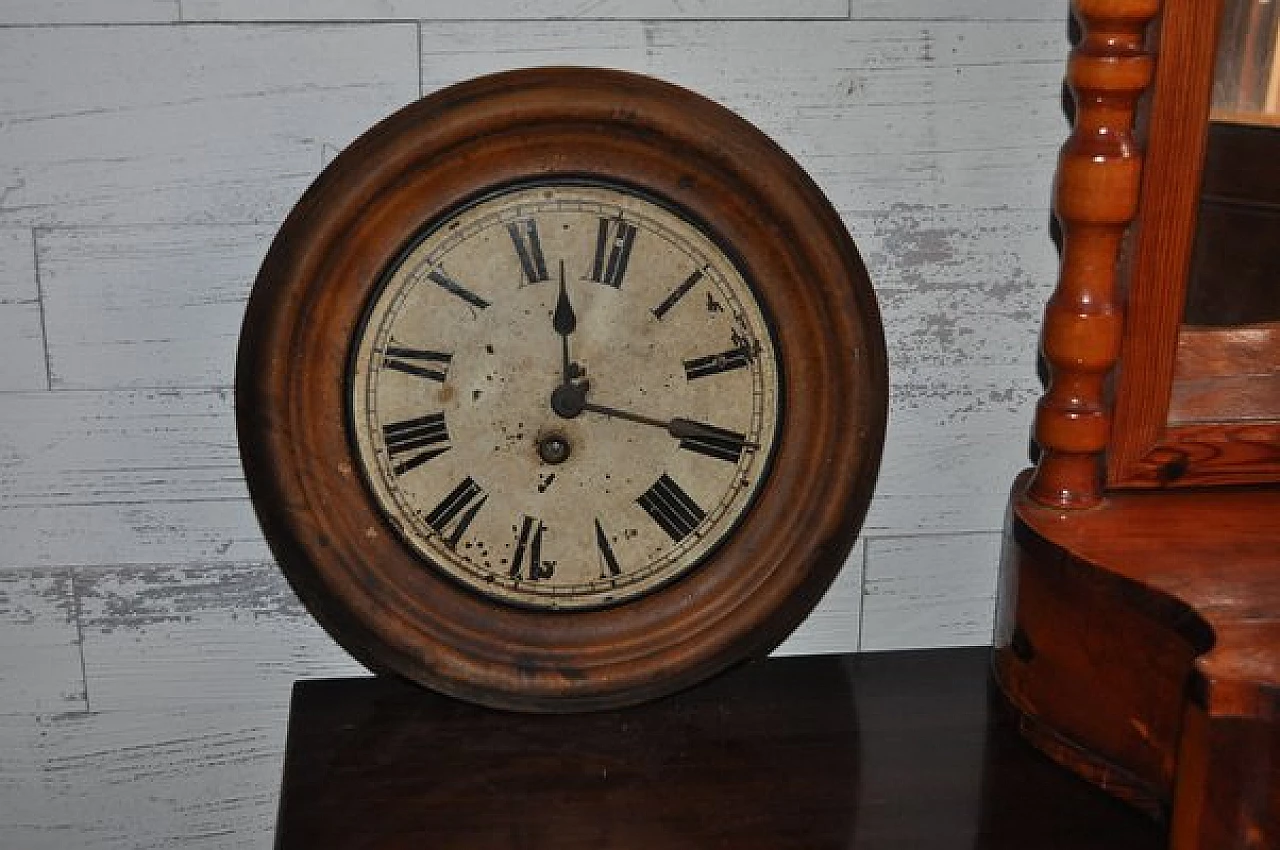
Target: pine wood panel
column 23, row 366
column 917, row 597
column 185, row 124
column 882, row 112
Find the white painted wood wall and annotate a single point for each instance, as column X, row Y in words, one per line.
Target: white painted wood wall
column 148, row 150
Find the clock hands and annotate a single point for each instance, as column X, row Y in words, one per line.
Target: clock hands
column 567, row 400
column 678, row 427
column 565, row 321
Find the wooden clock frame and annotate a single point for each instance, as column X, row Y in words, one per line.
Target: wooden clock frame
column 1138, row 630
column 364, row 584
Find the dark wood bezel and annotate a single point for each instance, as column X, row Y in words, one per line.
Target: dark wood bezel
column 363, row 584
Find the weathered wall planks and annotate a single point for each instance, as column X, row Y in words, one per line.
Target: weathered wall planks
column 186, row 285
column 915, row 599
column 100, row 478
column 38, row 617
column 25, row 12
column 149, row 779
column 121, row 125
column 144, row 166
column 292, row 10
column 23, row 365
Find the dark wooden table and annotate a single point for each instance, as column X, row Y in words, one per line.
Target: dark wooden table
column 893, row 750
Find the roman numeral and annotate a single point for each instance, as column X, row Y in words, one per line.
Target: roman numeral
column 676, row 294
column 713, row 364
column 524, row 235
column 671, row 508
column 613, row 251
column 608, row 560
column 714, row 442
column 419, row 439
column 411, row 360
column 451, row 286
column 530, row 543
column 454, row 515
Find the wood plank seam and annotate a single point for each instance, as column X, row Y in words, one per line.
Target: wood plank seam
column 44, row 327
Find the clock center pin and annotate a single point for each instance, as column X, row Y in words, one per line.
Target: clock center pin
column 569, row 399
column 554, row 448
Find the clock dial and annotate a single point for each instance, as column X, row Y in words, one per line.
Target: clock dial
column 564, row 395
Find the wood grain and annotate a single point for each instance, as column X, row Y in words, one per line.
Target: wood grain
column 1226, row 374
column 891, row 750
column 1095, row 200
column 186, row 286
column 40, row 668
column 204, row 777
column 994, row 11
column 214, row 634
column 185, row 124
column 966, row 10
column 917, row 598
column 836, row 621
column 21, row 317
column 1147, row 451
column 118, row 478
column 1137, row 618
column 286, row 10
column 32, row 12
column 881, row 113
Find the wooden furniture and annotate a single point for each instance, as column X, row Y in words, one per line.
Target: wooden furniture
column 1139, row 625
column 889, row 750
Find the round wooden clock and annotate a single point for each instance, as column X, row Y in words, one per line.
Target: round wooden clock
column 561, row 389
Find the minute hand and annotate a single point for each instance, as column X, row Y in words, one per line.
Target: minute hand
column 679, row 427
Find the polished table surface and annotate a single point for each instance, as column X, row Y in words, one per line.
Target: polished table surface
column 889, row 750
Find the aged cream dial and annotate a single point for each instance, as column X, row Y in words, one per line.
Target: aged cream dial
column 564, row 395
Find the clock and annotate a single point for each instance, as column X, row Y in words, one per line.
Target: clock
column 561, row 389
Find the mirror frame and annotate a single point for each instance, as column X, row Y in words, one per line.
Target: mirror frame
column 1146, row 449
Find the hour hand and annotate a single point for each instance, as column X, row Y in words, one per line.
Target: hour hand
column 565, row 321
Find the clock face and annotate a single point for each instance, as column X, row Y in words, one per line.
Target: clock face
column 564, row 395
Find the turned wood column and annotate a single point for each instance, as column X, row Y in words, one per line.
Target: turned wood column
column 1095, row 200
